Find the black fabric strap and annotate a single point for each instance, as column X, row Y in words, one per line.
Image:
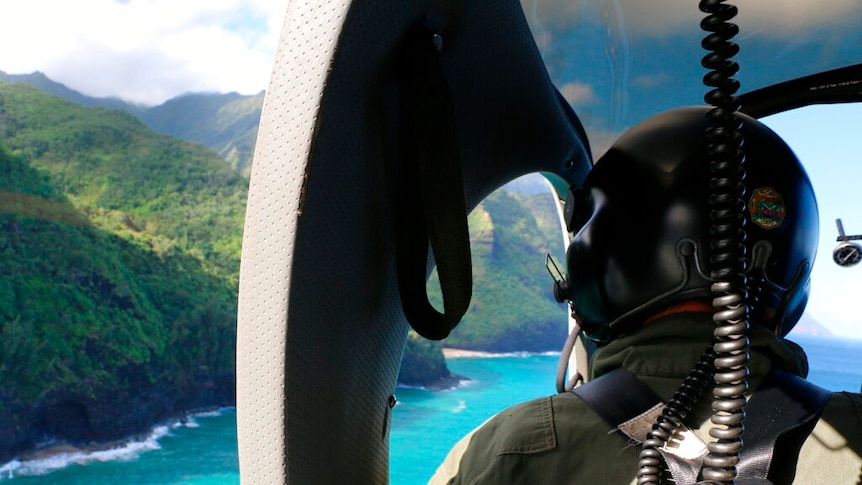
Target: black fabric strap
column 784, row 406
column 430, row 207
column 617, row 396
column 779, row 417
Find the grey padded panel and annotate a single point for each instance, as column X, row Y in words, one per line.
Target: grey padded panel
column 321, row 330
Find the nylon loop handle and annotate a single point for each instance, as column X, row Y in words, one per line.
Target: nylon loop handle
column 429, row 159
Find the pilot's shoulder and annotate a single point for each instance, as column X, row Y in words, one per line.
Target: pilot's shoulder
column 533, row 426
column 526, row 440
column 843, row 413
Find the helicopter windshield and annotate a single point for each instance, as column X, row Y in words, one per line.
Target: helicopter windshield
column 154, row 274
column 619, row 62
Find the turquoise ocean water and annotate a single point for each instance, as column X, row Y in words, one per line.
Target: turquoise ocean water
column 202, row 451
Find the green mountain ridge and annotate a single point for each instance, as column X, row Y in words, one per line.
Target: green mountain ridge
column 140, row 297
column 510, row 236
column 227, row 123
column 512, row 308
column 128, row 178
column 43, row 83
column 119, row 255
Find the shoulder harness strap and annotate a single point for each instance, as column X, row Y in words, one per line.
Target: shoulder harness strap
column 618, row 397
column 779, row 417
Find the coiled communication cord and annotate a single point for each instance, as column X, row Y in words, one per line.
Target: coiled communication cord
column 727, row 250
column 726, row 360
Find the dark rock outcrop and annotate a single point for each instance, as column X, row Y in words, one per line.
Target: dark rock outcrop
column 82, row 419
column 424, row 365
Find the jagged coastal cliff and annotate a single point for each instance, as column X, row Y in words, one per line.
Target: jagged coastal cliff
column 119, row 254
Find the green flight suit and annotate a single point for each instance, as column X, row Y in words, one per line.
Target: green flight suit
column 558, row 439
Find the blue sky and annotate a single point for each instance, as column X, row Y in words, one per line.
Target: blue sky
column 827, row 140
column 147, row 51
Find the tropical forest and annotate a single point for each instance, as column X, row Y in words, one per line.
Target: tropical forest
column 120, row 244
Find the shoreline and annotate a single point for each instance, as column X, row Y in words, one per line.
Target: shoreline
column 453, row 353
column 448, row 383
column 52, row 456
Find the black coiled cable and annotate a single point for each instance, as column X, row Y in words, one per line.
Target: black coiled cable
column 726, row 360
column 727, row 250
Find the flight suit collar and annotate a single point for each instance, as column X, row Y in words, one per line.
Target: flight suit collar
column 665, row 351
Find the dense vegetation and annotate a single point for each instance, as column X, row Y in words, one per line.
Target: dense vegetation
column 513, row 308
column 119, row 259
column 80, row 306
column 129, row 180
column 227, row 123
column 119, row 256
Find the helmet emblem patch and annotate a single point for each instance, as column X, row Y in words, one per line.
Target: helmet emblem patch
column 767, row 208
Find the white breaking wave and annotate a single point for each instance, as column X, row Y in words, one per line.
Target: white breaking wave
column 190, row 421
column 470, row 354
column 209, row 414
column 8, row 469
column 53, row 458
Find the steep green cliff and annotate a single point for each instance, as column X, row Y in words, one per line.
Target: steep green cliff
column 119, row 256
column 513, row 308
column 137, row 286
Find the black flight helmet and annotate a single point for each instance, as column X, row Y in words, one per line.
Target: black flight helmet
column 642, row 226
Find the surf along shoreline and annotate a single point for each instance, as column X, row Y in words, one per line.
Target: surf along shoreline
column 452, row 353
column 436, row 379
column 53, row 456
column 453, row 381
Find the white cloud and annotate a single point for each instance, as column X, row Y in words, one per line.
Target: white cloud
column 834, row 300
column 578, row 94
column 791, row 17
column 149, row 50
column 143, row 50
column 600, row 140
column 549, row 16
column 654, row 80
